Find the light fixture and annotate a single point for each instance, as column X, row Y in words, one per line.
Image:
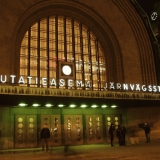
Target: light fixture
column 83, row 106
column 72, row 105
column 60, row 105
column 104, row 106
column 113, row 106
column 35, row 105
column 94, row 106
column 22, row 105
column 48, row 105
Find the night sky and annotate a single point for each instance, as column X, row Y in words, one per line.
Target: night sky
column 147, row 5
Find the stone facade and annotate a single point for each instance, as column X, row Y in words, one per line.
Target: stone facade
column 122, row 33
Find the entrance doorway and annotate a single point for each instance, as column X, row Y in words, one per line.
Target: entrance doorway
column 115, row 119
column 73, row 129
column 94, row 129
column 25, row 131
column 53, row 122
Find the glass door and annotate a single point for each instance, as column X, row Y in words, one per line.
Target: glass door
column 73, row 129
column 115, row 119
column 54, row 124
column 25, row 131
column 94, row 129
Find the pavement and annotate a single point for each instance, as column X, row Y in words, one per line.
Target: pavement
column 141, row 151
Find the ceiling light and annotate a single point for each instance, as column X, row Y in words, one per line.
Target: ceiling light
column 35, row 105
column 22, row 104
column 83, row 106
column 113, row 106
column 72, row 105
column 48, row 105
column 94, row 106
column 60, row 105
column 104, row 106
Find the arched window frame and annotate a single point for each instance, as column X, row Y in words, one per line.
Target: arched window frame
column 58, row 38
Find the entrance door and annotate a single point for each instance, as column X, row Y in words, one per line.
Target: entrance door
column 115, row 119
column 54, row 124
column 73, row 129
column 94, row 129
column 25, row 131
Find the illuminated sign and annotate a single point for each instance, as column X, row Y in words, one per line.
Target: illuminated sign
column 12, row 79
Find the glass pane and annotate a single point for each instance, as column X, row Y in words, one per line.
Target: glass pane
column 42, row 48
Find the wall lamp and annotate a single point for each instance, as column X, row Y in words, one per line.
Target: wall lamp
column 22, row 104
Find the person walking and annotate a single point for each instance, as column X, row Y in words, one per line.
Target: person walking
column 124, row 131
column 119, row 135
column 45, row 135
column 147, row 132
column 111, row 133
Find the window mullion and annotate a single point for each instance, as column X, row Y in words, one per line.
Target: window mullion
column 97, row 58
column 65, row 44
column 29, row 52
column 90, row 60
column 81, row 51
column 73, row 47
column 48, row 75
column 56, row 49
column 38, row 55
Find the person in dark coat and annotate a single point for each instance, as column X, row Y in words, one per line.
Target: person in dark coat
column 45, row 135
column 119, row 135
column 111, row 133
column 124, row 131
column 147, row 132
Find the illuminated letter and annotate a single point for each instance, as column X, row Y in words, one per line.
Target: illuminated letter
column 5, row 79
column 29, row 79
column 70, row 82
column 150, row 88
column 137, row 87
column 125, row 86
column 21, row 80
column 111, row 85
column 154, row 89
column 12, row 78
column 144, row 88
column 36, row 80
column 79, row 83
column 132, row 86
column 44, row 81
column 118, row 86
column 88, row 84
column 53, row 82
column 61, row 82
column 105, row 86
column 158, row 88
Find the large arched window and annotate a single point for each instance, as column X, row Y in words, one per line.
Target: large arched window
column 60, row 39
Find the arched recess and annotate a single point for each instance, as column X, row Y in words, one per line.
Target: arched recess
column 143, row 41
column 84, row 14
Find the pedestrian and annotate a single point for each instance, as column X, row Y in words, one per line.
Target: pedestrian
column 147, row 132
column 124, row 131
column 45, row 135
column 119, row 135
column 111, row 133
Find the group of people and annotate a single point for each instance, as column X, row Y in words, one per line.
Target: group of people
column 121, row 133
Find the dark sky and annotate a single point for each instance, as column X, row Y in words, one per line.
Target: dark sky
column 147, row 5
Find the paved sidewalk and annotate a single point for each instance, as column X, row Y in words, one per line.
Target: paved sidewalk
column 142, row 151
